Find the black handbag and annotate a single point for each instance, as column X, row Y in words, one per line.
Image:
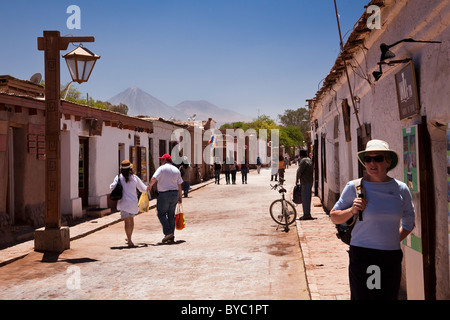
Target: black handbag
column 297, row 194
column 116, row 194
column 344, row 230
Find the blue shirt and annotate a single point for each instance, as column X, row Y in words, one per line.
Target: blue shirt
column 389, row 204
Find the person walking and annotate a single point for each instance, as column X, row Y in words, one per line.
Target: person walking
column 186, row 172
column 258, row 164
column 170, row 193
column 305, row 177
column 226, row 168
column 281, row 169
column 386, row 217
column 233, row 169
column 217, row 168
column 128, row 205
column 244, row 171
column 274, row 171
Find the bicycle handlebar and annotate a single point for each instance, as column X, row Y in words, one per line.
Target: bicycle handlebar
column 279, row 184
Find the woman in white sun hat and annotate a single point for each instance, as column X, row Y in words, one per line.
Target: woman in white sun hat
column 388, row 217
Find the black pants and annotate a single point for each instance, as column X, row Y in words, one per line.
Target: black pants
column 374, row 274
column 233, row 176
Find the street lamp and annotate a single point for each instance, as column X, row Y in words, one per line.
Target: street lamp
column 386, row 53
column 53, row 237
column 80, row 62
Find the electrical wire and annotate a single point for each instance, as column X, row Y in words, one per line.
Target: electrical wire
column 346, row 72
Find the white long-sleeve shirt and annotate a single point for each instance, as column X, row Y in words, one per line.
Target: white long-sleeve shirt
column 129, row 201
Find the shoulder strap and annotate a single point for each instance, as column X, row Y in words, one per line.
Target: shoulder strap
column 359, row 188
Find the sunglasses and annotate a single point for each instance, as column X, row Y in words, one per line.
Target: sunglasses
column 369, row 159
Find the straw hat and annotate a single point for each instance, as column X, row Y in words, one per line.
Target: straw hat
column 125, row 164
column 377, row 146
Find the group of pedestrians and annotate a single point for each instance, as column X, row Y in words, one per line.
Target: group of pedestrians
column 170, row 193
column 230, row 172
column 384, row 215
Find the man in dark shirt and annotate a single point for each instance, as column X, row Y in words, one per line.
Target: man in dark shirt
column 217, row 168
column 305, row 176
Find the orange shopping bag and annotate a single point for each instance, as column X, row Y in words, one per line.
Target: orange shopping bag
column 180, row 222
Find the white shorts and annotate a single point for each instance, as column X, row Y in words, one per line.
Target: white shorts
column 124, row 214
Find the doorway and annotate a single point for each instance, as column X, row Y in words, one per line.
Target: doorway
column 11, row 193
column 121, row 154
column 83, row 171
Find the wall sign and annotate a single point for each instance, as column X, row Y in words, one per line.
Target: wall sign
column 407, row 97
column 411, row 158
column 411, row 165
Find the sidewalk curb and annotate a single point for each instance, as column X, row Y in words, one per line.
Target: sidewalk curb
column 324, row 255
column 310, row 276
column 303, row 251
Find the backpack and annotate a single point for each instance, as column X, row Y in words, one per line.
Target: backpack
column 297, row 194
column 344, row 230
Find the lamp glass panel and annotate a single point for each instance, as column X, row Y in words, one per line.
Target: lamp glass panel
column 81, row 67
column 72, row 68
column 88, row 69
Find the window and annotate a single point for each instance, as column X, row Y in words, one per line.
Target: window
column 346, row 118
column 162, row 147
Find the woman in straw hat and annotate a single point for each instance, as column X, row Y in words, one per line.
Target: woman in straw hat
column 387, row 218
column 128, row 205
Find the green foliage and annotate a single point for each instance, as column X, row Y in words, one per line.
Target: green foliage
column 299, row 118
column 70, row 93
column 290, row 135
column 263, row 122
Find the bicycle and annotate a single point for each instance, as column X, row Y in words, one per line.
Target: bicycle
column 281, row 210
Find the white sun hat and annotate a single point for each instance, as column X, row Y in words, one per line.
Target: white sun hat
column 377, row 146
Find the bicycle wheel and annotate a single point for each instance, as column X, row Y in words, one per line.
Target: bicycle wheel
column 276, row 212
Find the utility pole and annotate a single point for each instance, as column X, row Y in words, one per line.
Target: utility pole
column 363, row 128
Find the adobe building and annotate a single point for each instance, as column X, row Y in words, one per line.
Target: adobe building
column 93, row 143
column 403, row 100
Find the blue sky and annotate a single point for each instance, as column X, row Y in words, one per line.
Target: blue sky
column 242, row 55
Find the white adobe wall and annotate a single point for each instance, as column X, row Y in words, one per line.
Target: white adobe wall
column 421, row 20
column 70, row 201
column 161, row 131
column 103, row 162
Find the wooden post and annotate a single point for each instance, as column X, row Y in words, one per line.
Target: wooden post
column 52, row 132
column 53, row 237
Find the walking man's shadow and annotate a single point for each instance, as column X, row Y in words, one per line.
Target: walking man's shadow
column 169, row 243
column 144, row 245
column 136, row 246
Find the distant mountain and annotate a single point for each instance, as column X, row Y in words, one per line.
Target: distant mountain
column 140, row 102
column 204, row 110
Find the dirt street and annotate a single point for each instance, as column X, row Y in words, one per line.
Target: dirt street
column 230, row 250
